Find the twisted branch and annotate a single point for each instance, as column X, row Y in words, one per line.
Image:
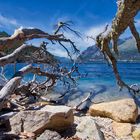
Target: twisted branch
column 127, row 10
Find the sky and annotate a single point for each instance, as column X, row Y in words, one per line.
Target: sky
column 89, row 17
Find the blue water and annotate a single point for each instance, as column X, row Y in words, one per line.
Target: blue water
column 96, row 73
column 99, row 80
column 101, row 73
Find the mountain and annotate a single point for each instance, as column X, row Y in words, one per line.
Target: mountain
column 62, row 59
column 3, row 34
column 127, row 52
column 92, row 53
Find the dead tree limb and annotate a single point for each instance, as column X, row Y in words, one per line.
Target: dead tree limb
column 8, row 89
column 13, row 56
column 28, row 53
column 127, row 10
column 14, row 49
column 135, row 34
column 22, row 35
column 12, row 85
column 34, row 70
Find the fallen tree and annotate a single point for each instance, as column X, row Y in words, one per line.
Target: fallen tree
column 127, row 10
column 15, row 49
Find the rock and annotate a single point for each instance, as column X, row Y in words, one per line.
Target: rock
column 49, row 135
column 105, row 125
column 124, row 110
column 122, row 129
column 87, row 129
column 73, row 138
column 27, row 135
column 136, row 134
column 36, row 121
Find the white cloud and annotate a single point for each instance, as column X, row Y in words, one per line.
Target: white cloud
column 7, row 22
column 93, row 32
column 59, row 52
column 81, row 44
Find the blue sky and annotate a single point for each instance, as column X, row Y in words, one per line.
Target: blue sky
column 89, row 16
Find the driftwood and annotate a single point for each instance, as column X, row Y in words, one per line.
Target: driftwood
column 22, row 35
column 13, row 56
column 127, row 10
column 15, row 49
column 28, row 53
column 12, row 85
column 8, row 89
column 35, row 70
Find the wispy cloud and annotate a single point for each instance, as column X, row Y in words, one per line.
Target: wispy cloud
column 81, row 44
column 59, row 52
column 8, row 23
column 93, row 32
column 55, row 49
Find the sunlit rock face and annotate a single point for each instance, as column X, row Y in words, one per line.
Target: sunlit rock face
column 36, row 121
column 124, row 110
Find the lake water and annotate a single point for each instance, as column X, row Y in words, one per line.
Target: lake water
column 101, row 73
column 96, row 73
column 99, row 79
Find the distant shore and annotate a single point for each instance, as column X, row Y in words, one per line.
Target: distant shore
column 119, row 61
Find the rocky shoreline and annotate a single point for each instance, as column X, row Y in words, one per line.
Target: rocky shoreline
column 114, row 120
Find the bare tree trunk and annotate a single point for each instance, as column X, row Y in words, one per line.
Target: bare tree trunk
column 127, row 10
column 13, row 84
column 8, row 89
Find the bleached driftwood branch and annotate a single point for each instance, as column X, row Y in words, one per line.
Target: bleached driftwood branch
column 14, row 49
column 8, row 89
column 28, row 53
column 127, row 10
column 22, row 35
